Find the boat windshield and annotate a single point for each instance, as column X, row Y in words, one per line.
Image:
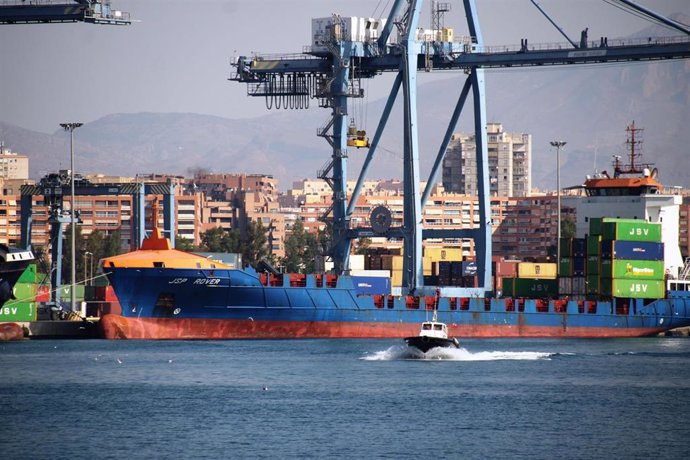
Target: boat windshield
column 438, row 327
column 426, row 327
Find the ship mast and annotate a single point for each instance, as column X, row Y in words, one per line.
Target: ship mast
column 634, row 147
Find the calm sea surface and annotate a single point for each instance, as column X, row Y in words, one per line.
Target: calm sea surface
column 360, row 399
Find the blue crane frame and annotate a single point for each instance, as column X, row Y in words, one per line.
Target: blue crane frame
column 406, row 58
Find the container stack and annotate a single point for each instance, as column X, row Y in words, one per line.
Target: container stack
column 631, row 259
column 572, row 267
column 537, row 280
column 23, row 307
column 502, row 269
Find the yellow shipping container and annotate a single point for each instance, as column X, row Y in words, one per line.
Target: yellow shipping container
column 443, row 254
column 396, row 278
column 547, row 271
column 426, row 266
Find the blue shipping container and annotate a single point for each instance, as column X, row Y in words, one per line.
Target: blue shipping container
column 469, row 268
column 372, row 284
column 579, row 247
column 632, row 250
column 579, row 264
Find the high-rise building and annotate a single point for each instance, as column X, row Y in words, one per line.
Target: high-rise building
column 510, row 164
column 13, row 165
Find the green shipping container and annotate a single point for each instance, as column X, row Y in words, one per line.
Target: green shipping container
column 593, row 285
column 595, row 225
column 528, row 287
column 14, row 311
column 25, row 292
column 631, row 230
column 593, row 245
column 565, row 266
column 566, row 247
column 636, row 289
column 29, row 275
column 633, row 269
column 65, row 292
column 593, row 265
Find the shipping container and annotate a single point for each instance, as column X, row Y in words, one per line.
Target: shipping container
column 579, row 247
column 565, row 266
column 537, row 270
column 579, row 266
column 392, row 262
column 632, row 250
column 396, row 278
column 631, row 230
column 593, row 265
column 65, row 292
column 636, row 289
column 593, row 245
column 529, row 287
column 371, row 285
column 565, row 285
column 469, row 268
column 437, row 254
column 593, row 286
column 374, row 262
column 29, row 275
column 566, row 247
column 357, row 262
column 579, row 285
column 25, row 292
column 633, row 269
column 16, row 311
column 595, row 224
column 42, row 293
column 427, row 265
column 506, row 268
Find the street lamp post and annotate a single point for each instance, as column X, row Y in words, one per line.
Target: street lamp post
column 558, row 145
column 71, row 127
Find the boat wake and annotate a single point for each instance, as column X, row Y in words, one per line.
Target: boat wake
column 398, row 352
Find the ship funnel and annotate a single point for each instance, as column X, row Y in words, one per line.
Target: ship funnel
column 646, row 172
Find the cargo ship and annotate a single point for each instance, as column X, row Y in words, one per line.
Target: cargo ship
column 620, row 276
column 13, row 263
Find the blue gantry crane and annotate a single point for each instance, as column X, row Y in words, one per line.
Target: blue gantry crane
column 346, row 50
column 45, row 11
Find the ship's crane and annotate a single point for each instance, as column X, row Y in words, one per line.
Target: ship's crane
column 55, row 186
column 44, row 11
column 345, row 50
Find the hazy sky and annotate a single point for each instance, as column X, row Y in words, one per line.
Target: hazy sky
column 176, row 59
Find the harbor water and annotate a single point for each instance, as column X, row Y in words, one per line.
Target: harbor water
column 627, row 398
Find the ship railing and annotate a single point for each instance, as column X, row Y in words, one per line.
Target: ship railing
column 685, row 271
column 678, row 285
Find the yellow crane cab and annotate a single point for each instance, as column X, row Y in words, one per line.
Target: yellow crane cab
column 357, row 137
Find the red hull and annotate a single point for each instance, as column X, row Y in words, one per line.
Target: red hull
column 119, row 327
column 11, row 331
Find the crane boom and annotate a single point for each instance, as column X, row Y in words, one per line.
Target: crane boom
column 89, row 11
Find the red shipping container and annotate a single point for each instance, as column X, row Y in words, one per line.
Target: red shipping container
column 506, row 269
column 110, row 294
column 43, row 294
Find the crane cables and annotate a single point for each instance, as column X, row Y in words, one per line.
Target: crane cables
column 289, row 91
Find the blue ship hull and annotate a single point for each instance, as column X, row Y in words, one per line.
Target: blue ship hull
column 160, row 303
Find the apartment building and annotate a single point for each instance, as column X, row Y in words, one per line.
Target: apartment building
column 235, row 200
column 13, row 165
column 510, row 171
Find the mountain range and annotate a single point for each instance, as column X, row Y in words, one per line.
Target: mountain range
column 587, row 106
